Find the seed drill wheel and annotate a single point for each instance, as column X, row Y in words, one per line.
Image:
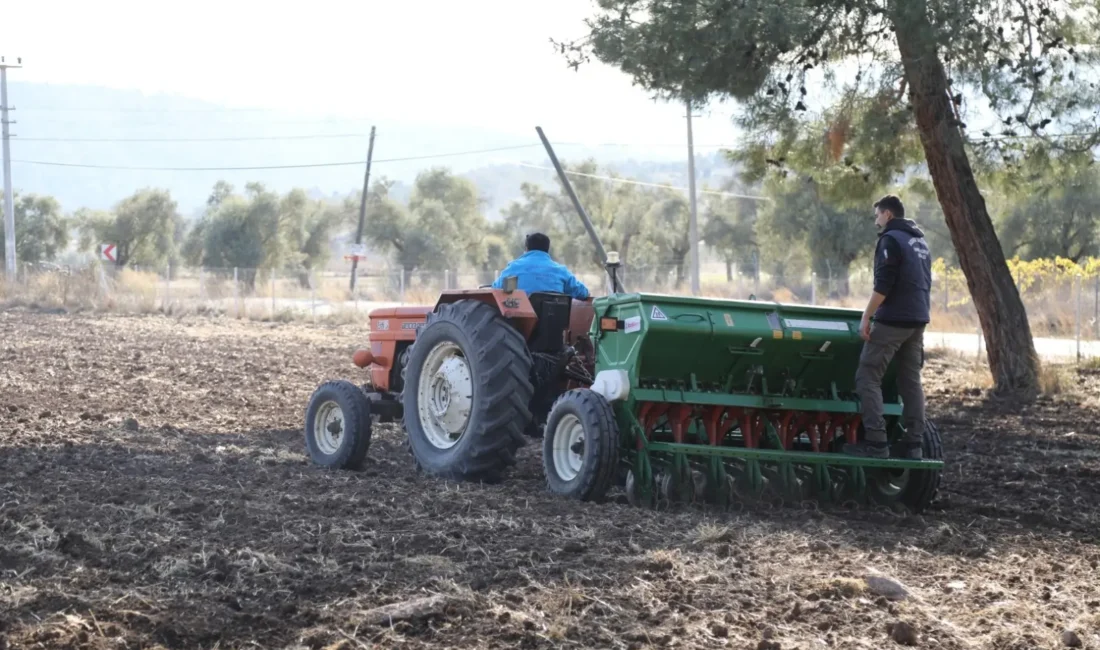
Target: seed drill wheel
column 466, row 392
column 338, row 425
column 580, row 446
column 914, row 489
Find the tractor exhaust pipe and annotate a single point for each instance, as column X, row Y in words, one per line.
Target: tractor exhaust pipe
column 610, row 266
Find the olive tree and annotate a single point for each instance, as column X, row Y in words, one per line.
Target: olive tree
column 892, row 77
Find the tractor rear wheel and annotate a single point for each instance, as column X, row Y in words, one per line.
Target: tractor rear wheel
column 466, row 393
column 580, row 446
column 913, row 488
column 338, row 425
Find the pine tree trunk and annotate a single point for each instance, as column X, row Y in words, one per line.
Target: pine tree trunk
column 1012, row 357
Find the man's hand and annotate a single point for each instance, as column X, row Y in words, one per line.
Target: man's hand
column 872, row 306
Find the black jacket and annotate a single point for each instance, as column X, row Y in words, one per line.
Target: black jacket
column 903, row 273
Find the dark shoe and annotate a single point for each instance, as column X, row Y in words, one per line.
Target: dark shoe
column 908, row 451
column 868, row 449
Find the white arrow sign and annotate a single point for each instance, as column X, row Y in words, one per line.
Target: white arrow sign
column 107, row 252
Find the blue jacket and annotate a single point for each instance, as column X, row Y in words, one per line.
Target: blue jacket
column 536, row 271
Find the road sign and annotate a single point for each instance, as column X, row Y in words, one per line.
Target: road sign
column 357, row 250
column 107, row 252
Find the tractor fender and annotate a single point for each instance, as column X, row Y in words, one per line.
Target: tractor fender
column 514, row 306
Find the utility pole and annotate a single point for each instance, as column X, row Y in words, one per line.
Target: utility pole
column 693, row 229
column 9, row 202
column 362, row 211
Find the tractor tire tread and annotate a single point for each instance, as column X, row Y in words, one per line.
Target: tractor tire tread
column 601, row 430
column 356, row 408
column 928, row 483
column 500, row 367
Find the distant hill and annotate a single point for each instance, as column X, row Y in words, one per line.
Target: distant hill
column 54, row 124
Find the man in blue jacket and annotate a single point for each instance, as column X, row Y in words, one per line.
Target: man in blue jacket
column 901, row 308
column 536, row 271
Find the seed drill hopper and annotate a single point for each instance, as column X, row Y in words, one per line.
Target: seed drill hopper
column 728, row 400
column 672, row 398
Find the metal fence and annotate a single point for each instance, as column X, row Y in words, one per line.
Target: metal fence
column 1063, row 308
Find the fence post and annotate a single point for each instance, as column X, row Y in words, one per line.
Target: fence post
column 236, row 293
column 756, row 275
column 1077, row 320
column 103, row 288
column 813, row 288
column 446, row 279
column 312, row 294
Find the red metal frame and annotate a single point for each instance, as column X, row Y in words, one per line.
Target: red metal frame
column 820, row 426
column 390, row 327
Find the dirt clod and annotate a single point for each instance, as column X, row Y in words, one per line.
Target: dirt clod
column 904, row 633
column 1070, row 639
column 886, row 586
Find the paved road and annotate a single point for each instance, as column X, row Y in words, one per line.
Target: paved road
column 1048, row 348
column 967, row 343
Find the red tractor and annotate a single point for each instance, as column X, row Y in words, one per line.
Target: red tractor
column 469, row 377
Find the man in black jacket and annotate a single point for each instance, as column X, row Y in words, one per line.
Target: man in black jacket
column 900, row 307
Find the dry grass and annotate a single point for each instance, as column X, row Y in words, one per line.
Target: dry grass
column 131, row 291
column 1091, row 364
column 1055, row 380
column 969, row 371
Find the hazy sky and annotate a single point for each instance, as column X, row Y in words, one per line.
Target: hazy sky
column 485, row 62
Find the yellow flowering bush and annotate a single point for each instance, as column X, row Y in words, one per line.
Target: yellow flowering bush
column 1035, row 278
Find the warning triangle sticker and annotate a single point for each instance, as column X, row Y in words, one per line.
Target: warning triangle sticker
column 657, row 314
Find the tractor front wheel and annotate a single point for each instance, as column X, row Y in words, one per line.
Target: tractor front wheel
column 338, row 425
column 466, row 391
column 580, row 446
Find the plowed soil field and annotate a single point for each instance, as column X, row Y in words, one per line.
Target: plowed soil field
column 155, row 493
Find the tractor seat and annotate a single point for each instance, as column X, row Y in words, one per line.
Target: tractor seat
column 552, row 310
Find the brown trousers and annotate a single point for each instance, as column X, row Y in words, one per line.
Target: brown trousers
column 907, row 344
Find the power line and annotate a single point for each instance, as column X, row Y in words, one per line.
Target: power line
column 316, row 136
column 338, row 135
column 138, row 122
column 108, row 109
column 633, row 182
column 263, row 167
column 46, row 163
